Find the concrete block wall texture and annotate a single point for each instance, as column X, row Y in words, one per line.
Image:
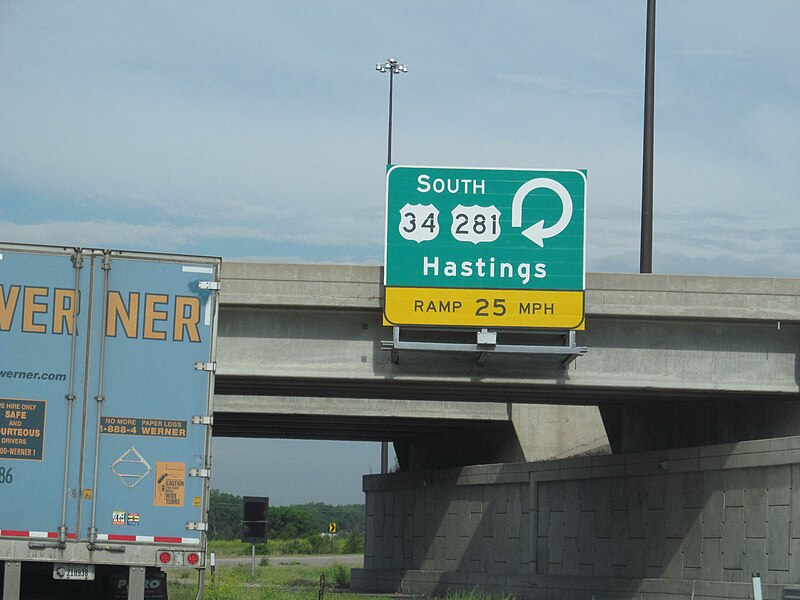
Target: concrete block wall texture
column 701, row 529
column 690, row 523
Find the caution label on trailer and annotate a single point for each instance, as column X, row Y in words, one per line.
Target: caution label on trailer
column 170, row 484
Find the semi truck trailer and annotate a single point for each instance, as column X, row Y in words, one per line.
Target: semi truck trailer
column 107, row 363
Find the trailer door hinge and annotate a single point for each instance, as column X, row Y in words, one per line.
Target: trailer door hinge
column 205, row 366
column 209, row 285
column 200, row 473
column 197, row 526
column 202, row 420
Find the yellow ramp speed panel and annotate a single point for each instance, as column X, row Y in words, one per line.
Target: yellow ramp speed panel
column 537, row 309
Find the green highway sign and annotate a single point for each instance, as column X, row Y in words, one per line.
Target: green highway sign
column 478, row 228
column 453, row 228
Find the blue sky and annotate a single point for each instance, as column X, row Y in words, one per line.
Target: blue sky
column 258, row 130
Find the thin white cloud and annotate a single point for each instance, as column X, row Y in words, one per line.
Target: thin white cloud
column 116, row 233
column 716, row 53
column 293, row 259
column 567, row 86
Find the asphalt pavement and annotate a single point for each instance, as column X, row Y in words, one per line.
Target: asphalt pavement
column 322, row 560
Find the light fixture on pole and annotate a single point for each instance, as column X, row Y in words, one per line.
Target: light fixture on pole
column 393, row 67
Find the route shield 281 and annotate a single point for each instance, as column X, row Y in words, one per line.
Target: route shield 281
column 485, row 247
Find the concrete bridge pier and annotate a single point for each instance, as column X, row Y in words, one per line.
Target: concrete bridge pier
column 532, row 432
column 690, row 523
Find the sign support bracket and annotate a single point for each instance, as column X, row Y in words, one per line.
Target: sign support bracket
column 566, row 352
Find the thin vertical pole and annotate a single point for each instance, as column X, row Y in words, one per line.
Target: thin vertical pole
column 391, row 94
column 758, row 593
column 385, row 445
column 646, row 249
column 392, row 65
column 384, row 457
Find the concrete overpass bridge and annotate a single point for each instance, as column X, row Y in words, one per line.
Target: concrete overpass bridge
column 673, row 361
column 691, row 381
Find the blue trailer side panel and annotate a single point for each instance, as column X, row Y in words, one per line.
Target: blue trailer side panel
column 39, row 315
column 107, row 349
column 158, row 326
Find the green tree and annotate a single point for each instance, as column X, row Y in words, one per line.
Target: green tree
column 354, row 543
column 288, row 522
column 224, row 516
column 348, row 517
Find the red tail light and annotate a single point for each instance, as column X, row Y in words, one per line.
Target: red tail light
column 193, row 558
column 165, row 557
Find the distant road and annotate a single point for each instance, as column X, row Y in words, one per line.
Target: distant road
column 322, row 560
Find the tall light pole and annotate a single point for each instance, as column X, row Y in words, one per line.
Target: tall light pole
column 646, row 247
column 393, row 67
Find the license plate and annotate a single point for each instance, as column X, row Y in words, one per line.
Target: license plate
column 68, row 571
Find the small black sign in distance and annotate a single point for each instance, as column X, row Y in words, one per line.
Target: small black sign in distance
column 254, row 521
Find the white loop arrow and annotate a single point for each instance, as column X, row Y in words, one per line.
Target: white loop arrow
column 538, row 233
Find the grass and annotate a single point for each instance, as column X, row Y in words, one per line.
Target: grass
column 282, row 582
column 229, row 548
column 473, row 594
column 279, row 582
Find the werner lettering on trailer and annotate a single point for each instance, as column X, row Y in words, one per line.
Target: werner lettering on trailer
column 39, row 309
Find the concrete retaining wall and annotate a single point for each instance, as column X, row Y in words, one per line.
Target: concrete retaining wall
column 691, row 523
